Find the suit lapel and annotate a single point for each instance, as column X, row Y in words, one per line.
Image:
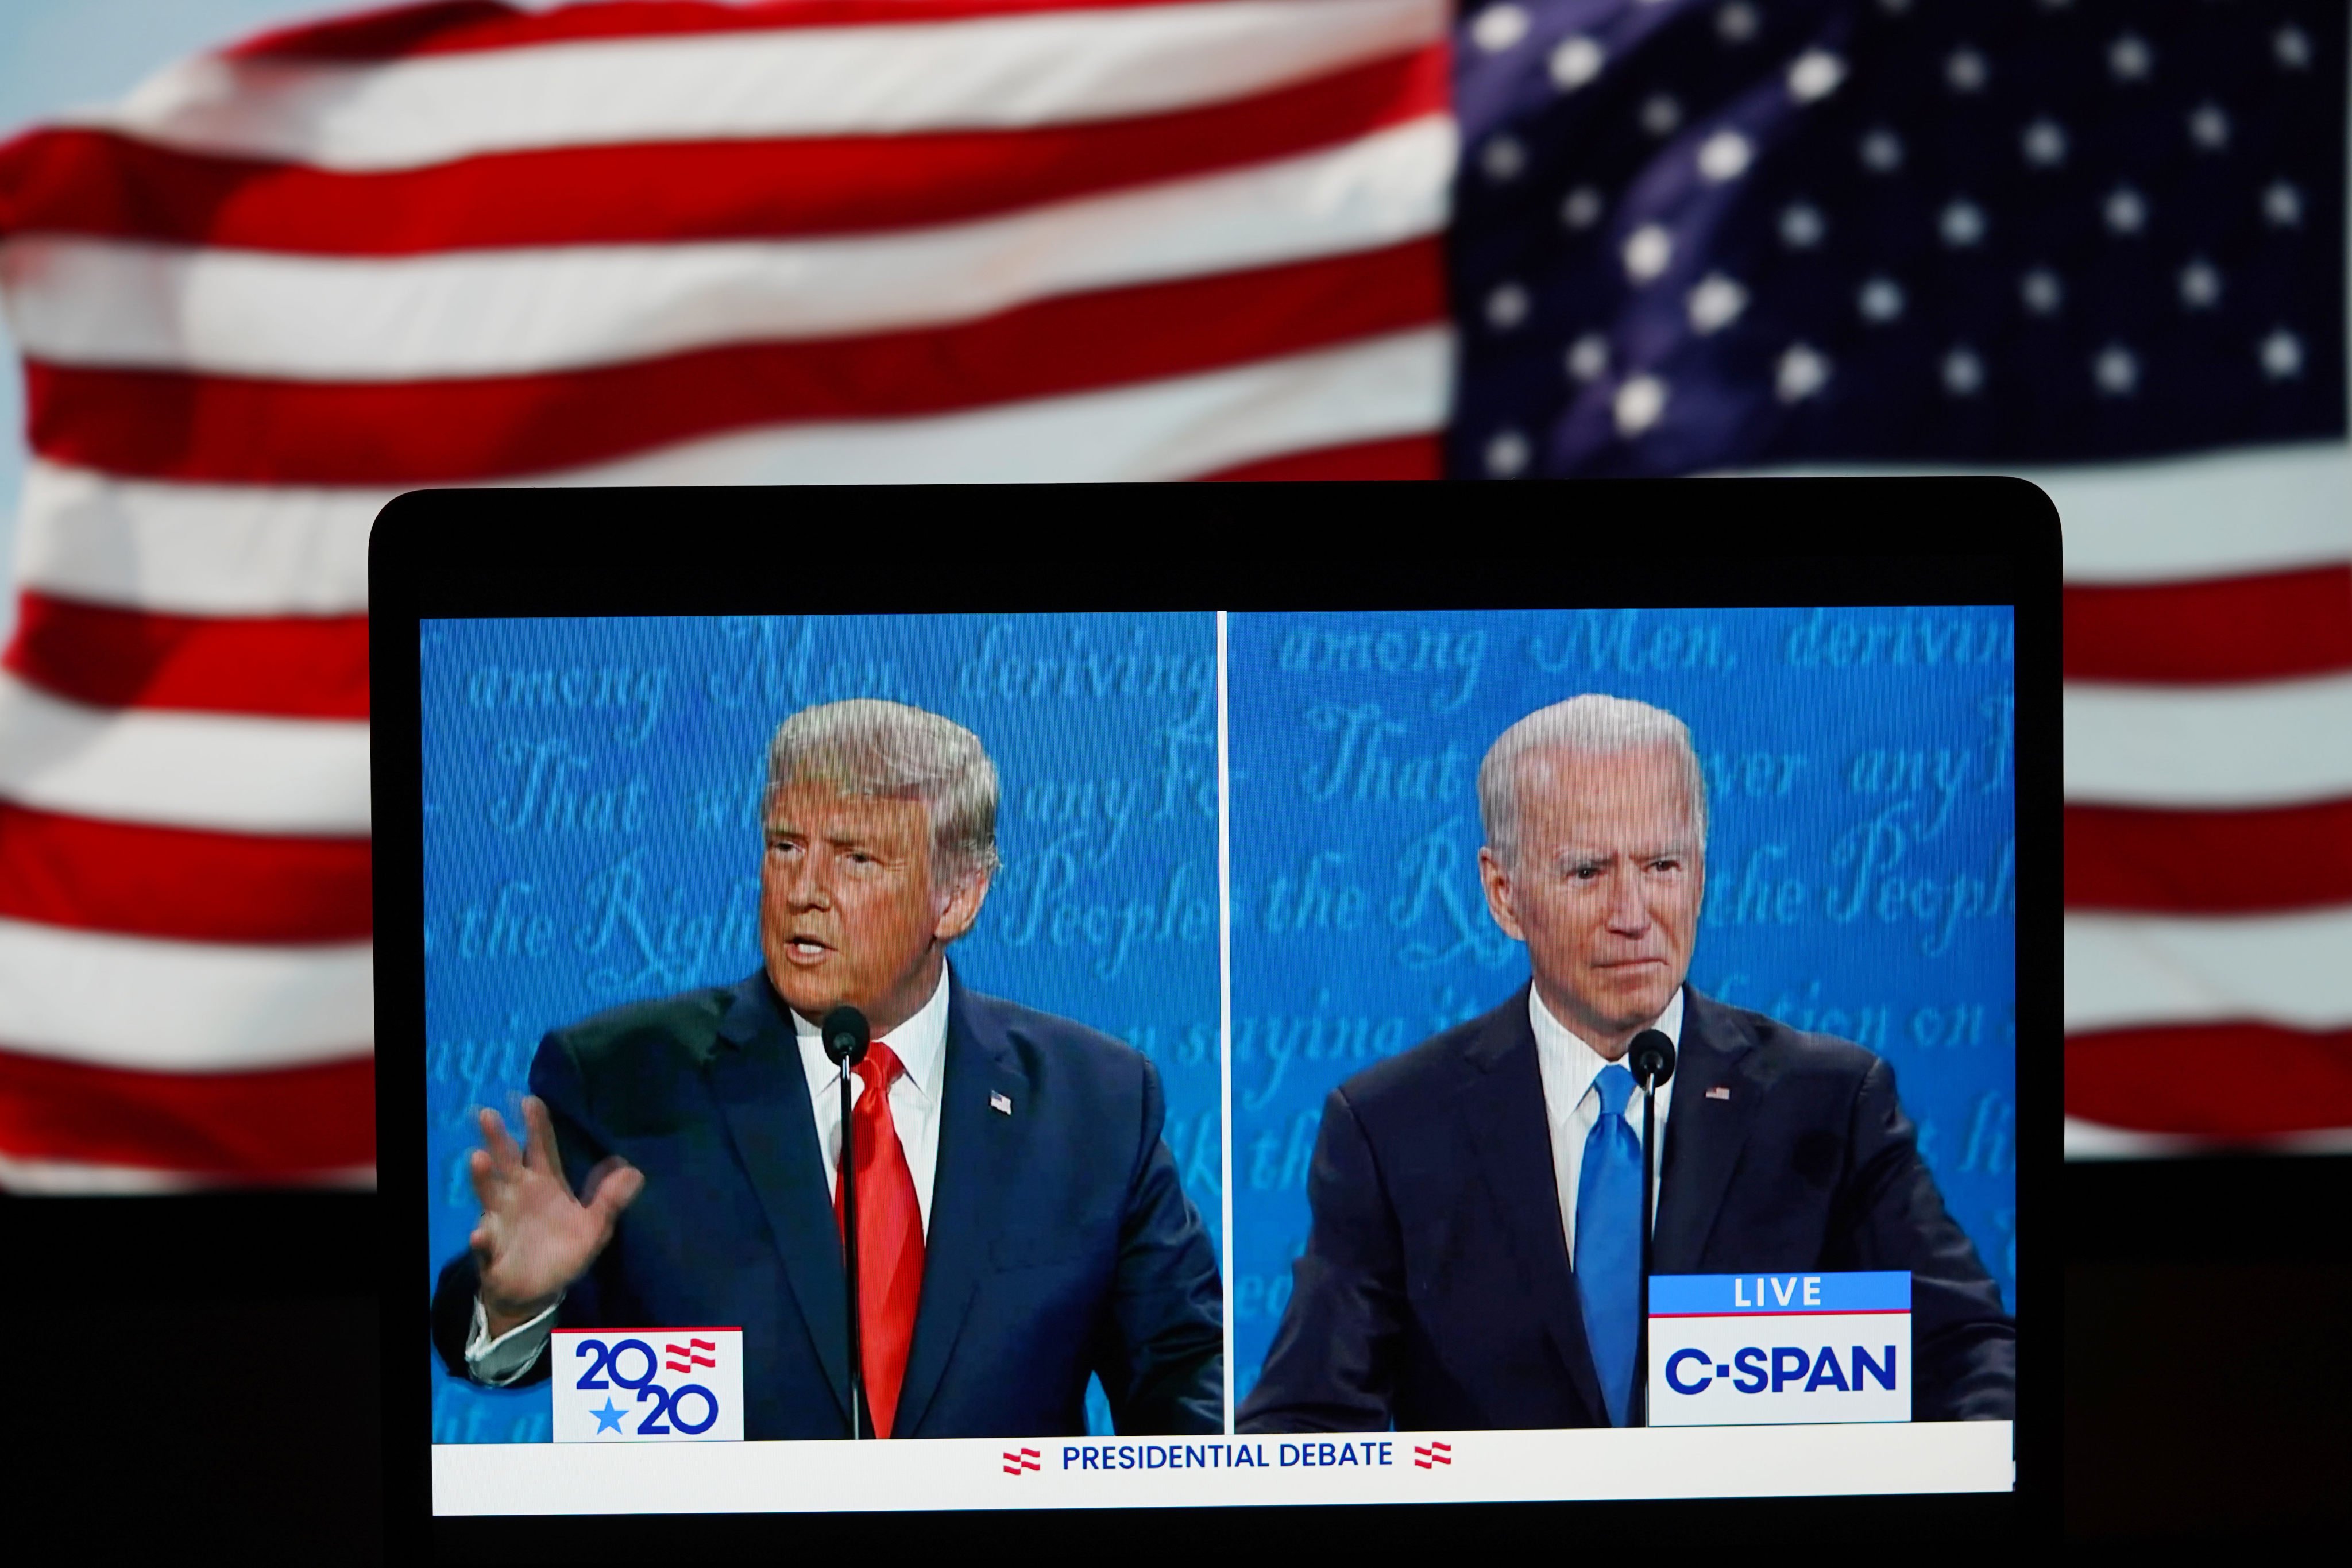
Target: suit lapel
column 1705, row 1134
column 1500, row 1114
column 977, row 1159
column 763, row 1093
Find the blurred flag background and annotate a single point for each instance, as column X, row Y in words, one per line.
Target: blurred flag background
column 658, row 241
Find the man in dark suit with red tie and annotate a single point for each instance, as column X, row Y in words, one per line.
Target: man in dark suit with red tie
column 1474, row 1260
column 1021, row 1226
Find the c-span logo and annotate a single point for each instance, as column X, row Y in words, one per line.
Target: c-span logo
column 1758, row 1350
column 647, row 1385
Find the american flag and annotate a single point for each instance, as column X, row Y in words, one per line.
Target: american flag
column 660, row 241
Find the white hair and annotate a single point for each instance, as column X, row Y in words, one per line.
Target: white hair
column 867, row 746
column 1595, row 725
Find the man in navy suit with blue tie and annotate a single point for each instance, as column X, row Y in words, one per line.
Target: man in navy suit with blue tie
column 1021, row 1226
column 1474, row 1260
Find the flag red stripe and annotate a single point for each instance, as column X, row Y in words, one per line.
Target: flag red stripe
column 2209, row 862
column 289, row 666
column 284, row 1124
column 222, row 429
column 89, row 182
column 1403, row 457
column 179, row 883
column 2268, row 627
column 466, row 26
column 2201, row 1079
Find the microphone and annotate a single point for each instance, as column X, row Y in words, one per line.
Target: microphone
column 1653, row 1054
column 1652, row 1057
column 845, row 1032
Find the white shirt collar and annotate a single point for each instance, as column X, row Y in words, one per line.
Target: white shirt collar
column 1569, row 1064
column 920, row 1044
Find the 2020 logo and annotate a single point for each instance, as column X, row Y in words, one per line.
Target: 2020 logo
column 650, row 1385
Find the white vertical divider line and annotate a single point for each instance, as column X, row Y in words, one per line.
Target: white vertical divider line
column 1226, row 1020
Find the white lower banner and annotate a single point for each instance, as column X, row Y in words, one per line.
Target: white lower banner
column 1257, row 1471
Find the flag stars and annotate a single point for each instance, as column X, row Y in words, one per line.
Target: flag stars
column 1575, row 61
column 2290, row 46
column 1814, row 75
column 1506, row 453
column 1507, row 307
column 1639, row 405
column 1963, row 372
column 1647, row 252
column 1502, row 159
column 2124, row 210
column 1498, row 27
column 1736, row 23
column 2201, row 285
column 1802, row 371
column 1581, row 208
column 2044, row 144
column 1961, row 222
column 1716, row 303
column 1965, row 70
column 2129, row 59
column 2283, row 205
column 2116, row 371
column 2282, row 355
column 1725, row 156
column 1588, row 358
column 1882, row 151
column 2041, row 291
column 1880, row 301
column 2209, row 127
column 1802, row 225
column 1661, row 114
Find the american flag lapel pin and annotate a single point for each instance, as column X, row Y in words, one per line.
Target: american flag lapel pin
column 1720, row 1092
column 1000, row 1103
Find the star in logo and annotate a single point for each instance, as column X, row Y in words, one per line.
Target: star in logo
column 609, row 1418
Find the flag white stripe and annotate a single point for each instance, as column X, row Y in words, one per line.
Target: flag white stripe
column 2231, row 514
column 73, row 1176
column 2137, row 971
column 233, row 773
column 195, row 550
column 985, row 73
column 2247, row 744
column 525, row 311
column 180, row 1006
column 159, row 546
column 1368, row 390
column 2094, row 1140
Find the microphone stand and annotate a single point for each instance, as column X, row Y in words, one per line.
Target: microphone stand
column 1642, row 1335
column 859, row 1424
column 1654, row 1063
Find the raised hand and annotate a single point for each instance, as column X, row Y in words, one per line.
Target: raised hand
column 535, row 1236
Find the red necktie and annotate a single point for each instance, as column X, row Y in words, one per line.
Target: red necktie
column 889, row 1238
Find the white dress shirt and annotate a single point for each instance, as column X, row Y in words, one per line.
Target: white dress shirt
column 1572, row 1105
column 920, row 1045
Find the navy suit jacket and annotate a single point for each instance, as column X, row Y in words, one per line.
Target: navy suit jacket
column 1436, row 1291
column 1060, row 1244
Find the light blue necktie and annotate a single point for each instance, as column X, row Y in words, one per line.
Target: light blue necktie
column 1609, row 1241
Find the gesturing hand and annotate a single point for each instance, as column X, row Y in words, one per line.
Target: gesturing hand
column 535, row 1237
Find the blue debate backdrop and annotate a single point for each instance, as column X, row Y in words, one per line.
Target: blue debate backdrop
column 1861, row 864
column 591, row 796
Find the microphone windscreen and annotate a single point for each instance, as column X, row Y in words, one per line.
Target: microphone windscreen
column 845, row 1033
column 1653, row 1057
